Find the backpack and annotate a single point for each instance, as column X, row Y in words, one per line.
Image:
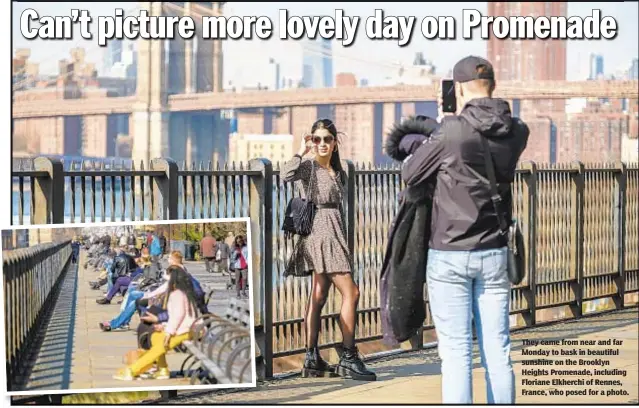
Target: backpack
column 156, row 248
column 197, row 288
column 243, row 264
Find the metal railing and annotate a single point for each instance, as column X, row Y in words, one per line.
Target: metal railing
column 30, row 277
column 580, row 223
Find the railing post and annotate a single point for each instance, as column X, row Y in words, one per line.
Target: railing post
column 261, row 214
column 577, row 236
column 166, row 190
column 48, row 192
column 531, row 250
column 620, row 225
column 350, row 207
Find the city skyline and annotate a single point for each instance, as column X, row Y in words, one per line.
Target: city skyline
column 240, row 57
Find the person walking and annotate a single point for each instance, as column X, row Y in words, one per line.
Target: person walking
column 222, row 257
column 230, row 239
column 239, row 259
column 324, row 254
column 208, row 248
column 466, row 270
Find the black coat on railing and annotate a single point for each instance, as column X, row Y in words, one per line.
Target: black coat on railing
column 403, row 272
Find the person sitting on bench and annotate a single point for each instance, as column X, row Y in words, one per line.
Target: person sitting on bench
column 181, row 304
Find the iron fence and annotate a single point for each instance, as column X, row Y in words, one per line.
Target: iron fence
column 580, row 224
column 30, row 277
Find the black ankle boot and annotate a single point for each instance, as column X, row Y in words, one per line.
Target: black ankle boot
column 314, row 366
column 351, row 366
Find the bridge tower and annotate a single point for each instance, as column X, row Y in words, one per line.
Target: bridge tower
column 172, row 67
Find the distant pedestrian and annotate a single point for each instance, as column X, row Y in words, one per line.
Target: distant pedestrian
column 163, row 243
column 230, row 239
column 222, row 257
column 239, row 259
column 155, row 250
column 75, row 250
column 208, row 249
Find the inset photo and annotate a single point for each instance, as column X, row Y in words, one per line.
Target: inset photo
column 157, row 305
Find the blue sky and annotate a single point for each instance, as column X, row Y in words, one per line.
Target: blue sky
column 365, row 58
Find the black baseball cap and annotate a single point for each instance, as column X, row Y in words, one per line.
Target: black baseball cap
column 472, row 68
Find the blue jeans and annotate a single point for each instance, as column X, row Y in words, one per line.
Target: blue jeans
column 129, row 309
column 109, row 280
column 463, row 285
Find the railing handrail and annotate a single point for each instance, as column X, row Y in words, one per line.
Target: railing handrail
column 237, row 168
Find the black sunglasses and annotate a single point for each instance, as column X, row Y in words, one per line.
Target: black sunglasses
column 327, row 139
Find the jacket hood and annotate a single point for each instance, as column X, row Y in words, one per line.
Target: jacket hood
column 491, row 117
column 409, row 127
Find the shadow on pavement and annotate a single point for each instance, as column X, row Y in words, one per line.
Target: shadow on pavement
column 408, row 365
column 52, row 358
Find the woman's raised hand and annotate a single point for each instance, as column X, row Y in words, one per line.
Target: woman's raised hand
column 306, row 145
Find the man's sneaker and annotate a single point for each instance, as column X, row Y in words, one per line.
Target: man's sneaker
column 103, row 301
column 106, row 327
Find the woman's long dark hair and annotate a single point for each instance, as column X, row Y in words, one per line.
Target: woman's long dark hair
column 243, row 241
column 335, row 160
column 181, row 280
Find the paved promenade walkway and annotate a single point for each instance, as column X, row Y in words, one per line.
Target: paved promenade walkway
column 415, row 377
column 76, row 354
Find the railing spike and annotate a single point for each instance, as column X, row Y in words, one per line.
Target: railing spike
column 210, row 167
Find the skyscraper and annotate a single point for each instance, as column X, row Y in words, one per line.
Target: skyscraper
column 317, row 64
column 596, row 66
column 529, row 60
column 633, row 73
column 112, row 54
column 275, row 74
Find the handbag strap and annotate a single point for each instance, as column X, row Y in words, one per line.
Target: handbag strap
column 494, row 194
column 308, row 191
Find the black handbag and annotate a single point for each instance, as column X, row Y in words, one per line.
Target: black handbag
column 300, row 213
column 516, row 254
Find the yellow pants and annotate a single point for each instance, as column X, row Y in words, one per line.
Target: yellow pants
column 157, row 353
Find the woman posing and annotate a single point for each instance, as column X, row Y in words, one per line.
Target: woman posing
column 324, row 253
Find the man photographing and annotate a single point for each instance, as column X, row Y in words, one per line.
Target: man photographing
column 467, row 260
